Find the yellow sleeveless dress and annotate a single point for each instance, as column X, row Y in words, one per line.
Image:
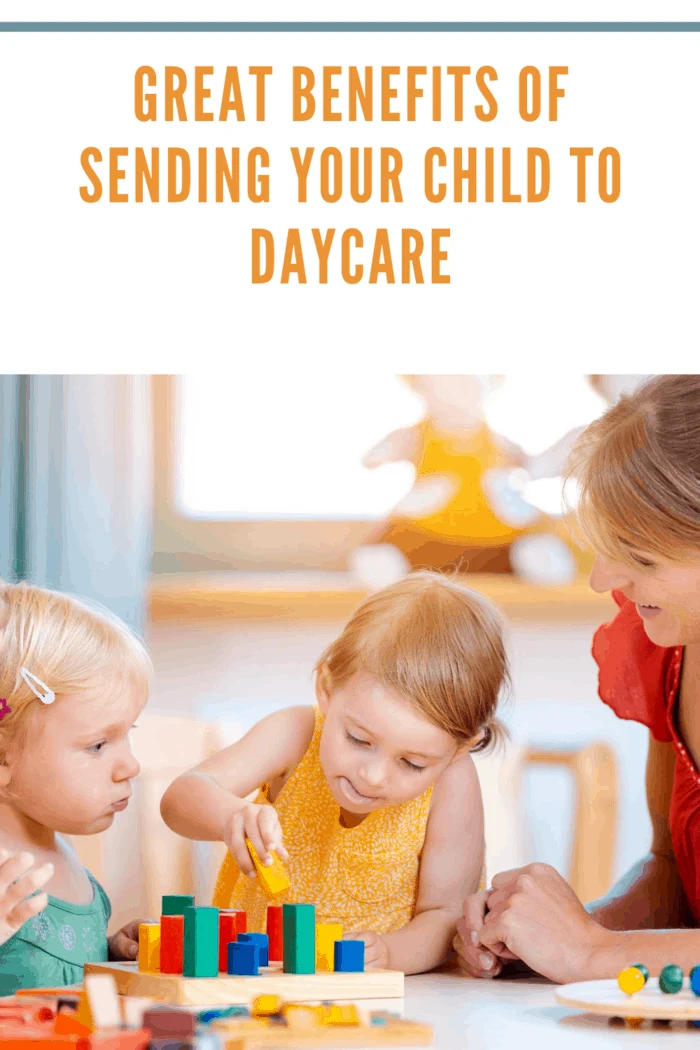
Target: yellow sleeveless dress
column 364, row 877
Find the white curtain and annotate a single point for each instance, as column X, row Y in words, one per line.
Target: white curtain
column 76, row 480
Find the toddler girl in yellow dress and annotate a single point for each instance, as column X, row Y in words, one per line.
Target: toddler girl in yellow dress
column 371, row 798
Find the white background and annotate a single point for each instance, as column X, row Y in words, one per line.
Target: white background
column 166, row 287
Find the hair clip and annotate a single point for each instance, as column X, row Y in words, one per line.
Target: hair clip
column 5, row 708
column 48, row 696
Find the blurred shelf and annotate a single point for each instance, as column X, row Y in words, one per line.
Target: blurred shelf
column 187, row 597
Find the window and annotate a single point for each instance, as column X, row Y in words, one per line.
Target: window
column 292, row 450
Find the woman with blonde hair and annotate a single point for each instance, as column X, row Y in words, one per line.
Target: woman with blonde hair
column 639, row 473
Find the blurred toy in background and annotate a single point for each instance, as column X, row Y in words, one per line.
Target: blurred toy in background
column 477, row 502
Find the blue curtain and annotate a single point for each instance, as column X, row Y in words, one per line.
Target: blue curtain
column 76, row 480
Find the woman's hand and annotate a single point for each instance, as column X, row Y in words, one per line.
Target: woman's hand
column 125, row 943
column 18, row 879
column 534, row 915
column 474, row 958
column 376, row 949
column 261, row 825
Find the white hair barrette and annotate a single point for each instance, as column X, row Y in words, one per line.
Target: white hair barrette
column 48, row 696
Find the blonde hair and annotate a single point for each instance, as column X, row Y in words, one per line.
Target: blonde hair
column 436, row 643
column 638, row 468
column 65, row 641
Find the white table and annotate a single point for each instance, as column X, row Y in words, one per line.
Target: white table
column 519, row 1014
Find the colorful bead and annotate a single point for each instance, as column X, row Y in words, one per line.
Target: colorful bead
column 671, row 979
column 630, row 980
column 695, row 980
column 643, row 970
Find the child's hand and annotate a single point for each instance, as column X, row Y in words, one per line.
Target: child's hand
column 18, row 879
column 125, row 943
column 376, row 949
column 261, row 825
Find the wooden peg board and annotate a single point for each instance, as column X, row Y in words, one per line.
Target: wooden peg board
column 227, row 991
column 606, row 999
column 250, row 1034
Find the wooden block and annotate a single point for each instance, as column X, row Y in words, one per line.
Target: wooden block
column 274, row 933
column 261, row 940
column 175, row 903
column 349, row 956
column 273, row 878
column 133, row 1009
column 119, row 1039
column 264, row 1005
column 83, row 1014
column 67, row 1023
column 103, row 998
column 299, row 930
column 226, row 990
column 340, row 1013
column 39, row 1037
column 243, row 959
column 165, row 1021
column 299, row 1015
column 230, row 922
column 327, row 933
column 201, row 952
column 149, row 947
column 172, row 939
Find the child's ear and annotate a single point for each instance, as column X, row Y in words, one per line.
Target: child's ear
column 322, row 691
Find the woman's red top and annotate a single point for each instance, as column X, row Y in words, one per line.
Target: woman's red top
column 639, row 680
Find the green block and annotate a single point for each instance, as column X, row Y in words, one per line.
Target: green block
column 299, row 933
column 175, row 903
column 201, row 948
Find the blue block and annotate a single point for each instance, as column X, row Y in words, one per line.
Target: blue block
column 259, row 939
column 243, row 959
column 349, row 956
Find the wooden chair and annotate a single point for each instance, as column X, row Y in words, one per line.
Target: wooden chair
column 594, row 771
column 594, row 823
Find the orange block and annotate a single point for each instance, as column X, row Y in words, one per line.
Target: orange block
column 67, row 1023
column 38, row 1037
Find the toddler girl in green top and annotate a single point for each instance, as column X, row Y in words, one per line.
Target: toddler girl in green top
column 73, row 679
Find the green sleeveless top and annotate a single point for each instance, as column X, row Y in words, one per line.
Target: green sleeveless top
column 51, row 948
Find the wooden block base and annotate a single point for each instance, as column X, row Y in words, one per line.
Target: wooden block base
column 226, row 991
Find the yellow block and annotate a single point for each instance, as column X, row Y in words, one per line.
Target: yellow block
column 84, row 1013
column 301, row 1015
column 341, row 1013
column 274, row 878
column 265, row 1005
column 327, row 933
column 149, row 947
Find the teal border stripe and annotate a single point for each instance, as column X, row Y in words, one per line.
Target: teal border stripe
column 349, row 27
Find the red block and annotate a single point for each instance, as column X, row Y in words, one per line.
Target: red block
column 172, row 932
column 231, row 923
column 274, row 933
